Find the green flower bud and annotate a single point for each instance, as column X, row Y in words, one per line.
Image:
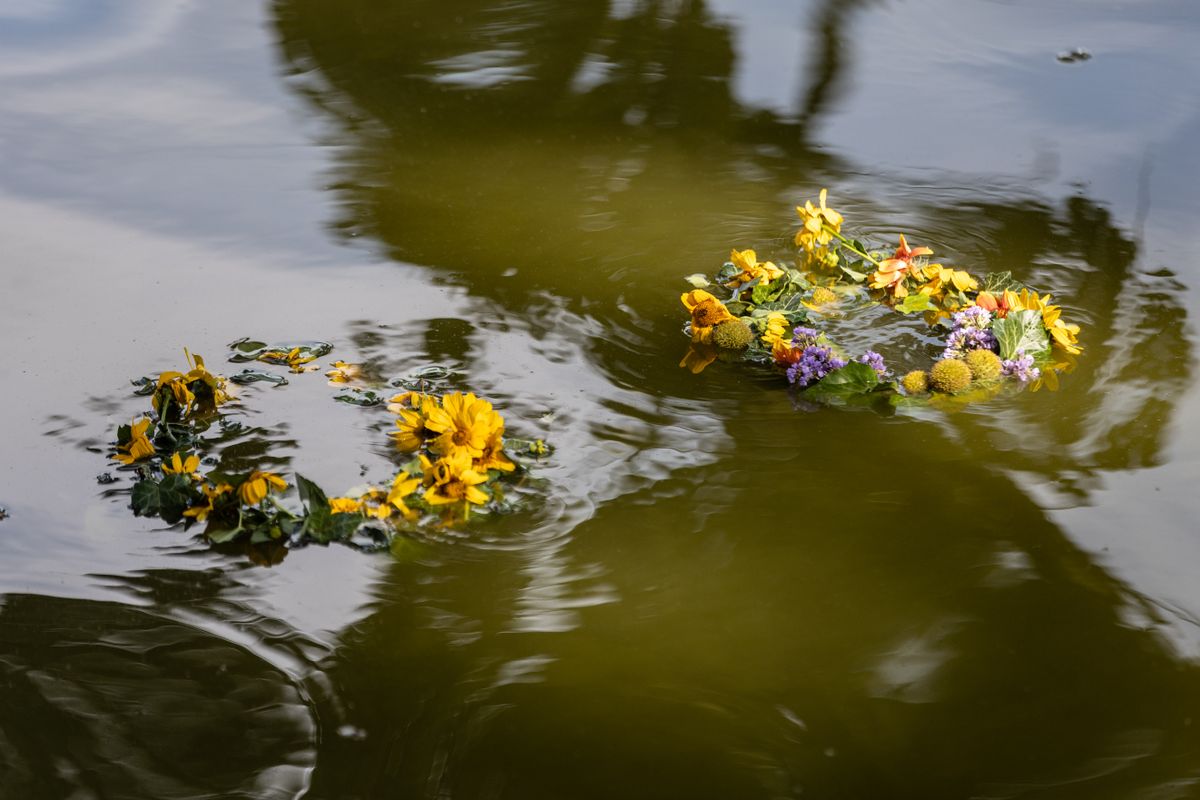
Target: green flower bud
column 732, row 334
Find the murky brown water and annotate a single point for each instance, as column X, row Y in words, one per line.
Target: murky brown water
column 721, row 596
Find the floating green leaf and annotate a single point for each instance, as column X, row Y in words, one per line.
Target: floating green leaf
column 852, row 379
column 359, row 397
column 167, row 498
column 1021, row 331
column 915, row 304
column 248, row 376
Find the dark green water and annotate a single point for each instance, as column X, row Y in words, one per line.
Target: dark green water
column 722, row 595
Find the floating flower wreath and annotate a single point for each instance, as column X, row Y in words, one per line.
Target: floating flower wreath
column 997, row 332
column 458, row 458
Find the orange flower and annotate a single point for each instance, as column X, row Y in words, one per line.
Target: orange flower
column 892, row 271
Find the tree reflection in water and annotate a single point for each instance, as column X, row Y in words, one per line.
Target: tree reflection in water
column 977, row 651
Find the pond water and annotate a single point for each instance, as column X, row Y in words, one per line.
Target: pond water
column 721, row 595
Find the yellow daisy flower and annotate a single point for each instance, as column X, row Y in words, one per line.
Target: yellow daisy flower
column 139, row 445
column 181, row 466
column 257, row 485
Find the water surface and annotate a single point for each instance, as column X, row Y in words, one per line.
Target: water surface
column 722, row 595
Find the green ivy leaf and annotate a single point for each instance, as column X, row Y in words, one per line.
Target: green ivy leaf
column 318, row 515
column 247, row 376
column 359, row 397
column 1023, row 331
column 167, row 498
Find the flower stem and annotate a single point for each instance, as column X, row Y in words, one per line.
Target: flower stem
column 849, row 245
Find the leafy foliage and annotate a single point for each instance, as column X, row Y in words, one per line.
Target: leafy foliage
column 1021, row 332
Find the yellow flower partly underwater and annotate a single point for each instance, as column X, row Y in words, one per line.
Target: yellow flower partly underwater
column 411, row 428
column 211, row 495
column 751, row 268
column 138, row 446
column 343, row 373
column 820, row 224
column 256, row 486
column 181, row 466
column 493, row 456
column 706, row 310
column 402, row 486
column 453, row 480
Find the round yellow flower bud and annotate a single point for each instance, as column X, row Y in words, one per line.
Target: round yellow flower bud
column 915, row 382
column 822, row 296
column 984, row 365
column 950, row 376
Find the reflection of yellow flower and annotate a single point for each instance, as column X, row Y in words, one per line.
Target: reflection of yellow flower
column 775, row 328
column 343, row 372
column 402, row 486
column 751, row 268
column 463, row 424
column 706, row 312
column 138, row 446
column 211, row 495
column 256, row 486
column 180, row 466
column 697, row 357
column 1049, row 373
column 820, row 223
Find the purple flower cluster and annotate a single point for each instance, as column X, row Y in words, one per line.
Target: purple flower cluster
column 814, row 363
column 970, row 332
column 874, row 361
column 803, row 337
column 1021, row 368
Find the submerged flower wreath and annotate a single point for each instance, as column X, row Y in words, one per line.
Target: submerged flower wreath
column 997, row 332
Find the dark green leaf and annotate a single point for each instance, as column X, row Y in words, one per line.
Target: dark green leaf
column 167, row 498
column 359, row 397
column 854, row 378
column 145, row 386
column 317, row 520
column 247, row 376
